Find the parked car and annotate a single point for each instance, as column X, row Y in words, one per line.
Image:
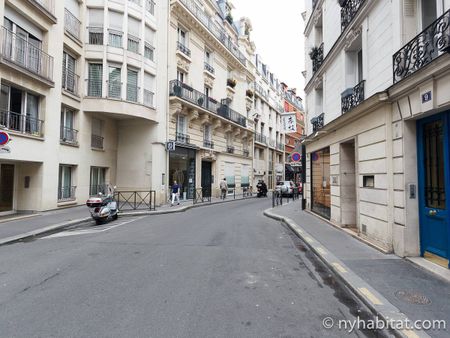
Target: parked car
column 285, row 187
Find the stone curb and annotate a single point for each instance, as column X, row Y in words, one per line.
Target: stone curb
column 377, row 303
column 61, row 226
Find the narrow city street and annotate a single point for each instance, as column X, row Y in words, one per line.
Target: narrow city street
column 217, row 271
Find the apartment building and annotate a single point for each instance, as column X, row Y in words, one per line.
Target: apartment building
column 377, row 98
column 293, row 104
column 80, row 88
column 208, row 110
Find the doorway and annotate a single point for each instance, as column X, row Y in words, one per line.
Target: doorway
column 434, row 182
column 206, row 178
column 348, row 185
column 6, row 188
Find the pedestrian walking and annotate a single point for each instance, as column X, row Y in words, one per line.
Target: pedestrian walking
column 175, row 193
column 223, row 189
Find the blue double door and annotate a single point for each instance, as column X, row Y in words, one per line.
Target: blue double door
column 434, row 184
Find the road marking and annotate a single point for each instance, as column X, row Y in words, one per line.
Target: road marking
column 369, row 295
column 68, row 233
column 339, row 267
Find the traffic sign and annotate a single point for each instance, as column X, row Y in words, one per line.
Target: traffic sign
column 4, row 138
column 170, row 146
column 296, row 157
column 5, row 149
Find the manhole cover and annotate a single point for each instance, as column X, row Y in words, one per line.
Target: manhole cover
column 412, row 297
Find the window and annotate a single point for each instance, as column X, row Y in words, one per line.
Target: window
column 66, row 190
column 245, row 177
column 97, row 134
column 149, row 51
column 182, row 36
column 95, row 77
column 229, row 137
column 97, row 183
column 181, row 124
column 20, row 110
column 207, row 91
column 68, row 133
column 360, row 66
column 181, row 76
column 229, row 175
column 133, row 34
column 69, row 79
column 114, row 83
column 115, row 29
column 95, row 26
column 207, row 133
column 132, row 85
column 149, row 90
column 208, row 56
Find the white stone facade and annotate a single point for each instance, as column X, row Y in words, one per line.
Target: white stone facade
column 373, row 168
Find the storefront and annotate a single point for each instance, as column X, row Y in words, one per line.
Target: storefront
column 182, row 169
column 320, row 183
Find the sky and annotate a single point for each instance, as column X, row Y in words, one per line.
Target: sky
column 278, row 35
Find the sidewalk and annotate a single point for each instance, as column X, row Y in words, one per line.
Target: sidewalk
column 19, row 226
column 405, row 285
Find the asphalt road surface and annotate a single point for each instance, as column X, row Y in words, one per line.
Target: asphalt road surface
column 217, row 271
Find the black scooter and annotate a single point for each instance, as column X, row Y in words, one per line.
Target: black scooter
column 261, row 190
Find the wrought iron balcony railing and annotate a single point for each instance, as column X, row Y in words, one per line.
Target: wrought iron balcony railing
column 349, row 8
column 115, row 38
column 182, row 90
column 72, row 25
column 183, row 49
column 66, row 193
column 261, row 91
column 21, row 123
column 318, row 122
column 183, row 138
column 94, row 190
column 432, row 42
column 280, row 146
column 24, row 54
column 94, row 87
column 209, row 68
column 70, row 81
column 68, row 135
column 208, row 144
column 272, row 143
column 150, row 6
column 215, row 29
column 149, row 98
column 133, row 44
column 149, row 51
column 260, row 138
column 316, row 55
column 352, row 97
column 97, row 141
column 114, row 89
column 230, row 149
column 132, row 92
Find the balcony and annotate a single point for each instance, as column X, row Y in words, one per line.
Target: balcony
column 70, row 81
column 19, row 52
column 72, row 25
column 349, row 8
column 185, row 92
column 183, row 49
column 97, row 141
column 230, row 149
column 260, row 138
column 209, row 68
column 431, row 43
column 183, row 138
column 95, row 35
column 261, row 91
column 316, row 55
column 218, row 32
column 208, row 144
column 68, row 135
column 150, row 7
column 21, row 123
column 317, row 122
column 133, row 92
column 66, row 193
column 280, row 146
column 352, row 97
column 272, row 143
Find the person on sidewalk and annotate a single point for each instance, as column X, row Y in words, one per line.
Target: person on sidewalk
column 223, row 189
column 175, row 193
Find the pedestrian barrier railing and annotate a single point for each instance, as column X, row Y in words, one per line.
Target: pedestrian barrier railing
column 136, row 200
column 202, row 195
column 278, row 197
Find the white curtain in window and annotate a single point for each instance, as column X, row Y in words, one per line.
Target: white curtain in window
column 149, row 82
column 73, row 6
column 149, row 35
column 96, row 17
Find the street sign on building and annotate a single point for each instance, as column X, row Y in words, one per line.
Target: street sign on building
column 5, row 149
column 170, row 146
column 288, row 123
